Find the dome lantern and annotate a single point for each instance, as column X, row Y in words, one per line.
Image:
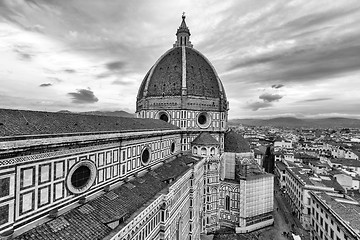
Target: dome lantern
column 183, row 34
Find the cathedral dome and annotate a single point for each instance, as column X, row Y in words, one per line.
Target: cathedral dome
column 166, row 77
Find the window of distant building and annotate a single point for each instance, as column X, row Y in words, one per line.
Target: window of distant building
column 178, row 229
column 172, row 147
column 227, row 203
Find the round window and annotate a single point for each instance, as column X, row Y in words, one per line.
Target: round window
column 203, row 120
column 172, row 147
column 145, row 156
column 81, row 177
column 164, row 117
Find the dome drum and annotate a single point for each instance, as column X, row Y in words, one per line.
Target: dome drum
column 177, row 102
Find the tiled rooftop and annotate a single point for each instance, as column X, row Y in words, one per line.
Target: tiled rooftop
column 280, row 165
column 300, row 173
column 205, row 139
column 234, row 142
column 330, row 181
column 318, row 180
column 90, row 220
column 250, row 171
column 346, row 162
column 304, row 156
column 347, row 211
column 21, row 122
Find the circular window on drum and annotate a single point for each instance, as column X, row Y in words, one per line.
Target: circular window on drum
column 81, row 177
column 145, row 156
column 164, row 116
column 203, row 120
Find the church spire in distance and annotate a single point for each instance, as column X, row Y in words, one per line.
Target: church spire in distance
column 183, row 34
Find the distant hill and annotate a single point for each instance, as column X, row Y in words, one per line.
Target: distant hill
column 296, row 122
column 104, row 113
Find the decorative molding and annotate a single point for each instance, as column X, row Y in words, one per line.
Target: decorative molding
column 62, row 153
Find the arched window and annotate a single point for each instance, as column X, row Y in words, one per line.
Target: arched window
column 212, row 151
column 227, row 203
column 195, row 150
column 203, row 151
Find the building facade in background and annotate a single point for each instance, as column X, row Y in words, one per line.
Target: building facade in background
column 175, row 172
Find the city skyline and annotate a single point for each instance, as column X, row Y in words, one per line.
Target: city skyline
column 279, row 58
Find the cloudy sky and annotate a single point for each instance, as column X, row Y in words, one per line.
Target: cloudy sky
column 275, row 58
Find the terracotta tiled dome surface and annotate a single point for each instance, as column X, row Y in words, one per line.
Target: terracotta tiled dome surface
column 165, row 77
column 235, row 143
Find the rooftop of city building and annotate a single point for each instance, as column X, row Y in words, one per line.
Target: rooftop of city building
column 346, row 207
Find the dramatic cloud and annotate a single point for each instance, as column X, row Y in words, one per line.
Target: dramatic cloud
column 121, row 82
column 23, row 55
column 36, row 28
column 316, row 99
column 70, row 70
column 23, row 52
column 115, row 65
column 45, row 85
column 257, row 105
column 83, row 96
column 276, row 86
column 269, row 97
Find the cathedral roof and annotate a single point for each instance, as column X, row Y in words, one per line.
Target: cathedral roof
column 24, row 123
column 90, row 221
column 205, row 139
column 234, row 142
